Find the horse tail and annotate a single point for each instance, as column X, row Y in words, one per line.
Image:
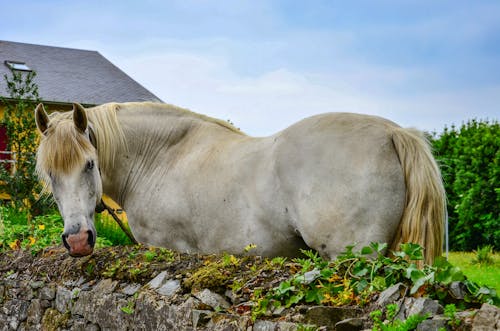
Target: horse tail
column 424, row 214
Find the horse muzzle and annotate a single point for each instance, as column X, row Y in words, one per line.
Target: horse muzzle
column 80, row 243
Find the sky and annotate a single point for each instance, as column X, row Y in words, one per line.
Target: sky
column 265, row 64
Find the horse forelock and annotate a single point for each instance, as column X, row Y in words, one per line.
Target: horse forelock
column 62, row 149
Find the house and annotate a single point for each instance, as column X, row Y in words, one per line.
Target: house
column 67, row 75
column 64, row 76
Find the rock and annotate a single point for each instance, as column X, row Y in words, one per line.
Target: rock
column 227, row 322
column 278, row 311
column 25, row 291
column 102, row 308
column 73, row 283
column 12, row 276
column 329, row 316
column 457, row 290
column 13, row 323
column 79, row 325
column 212, row 299
column 424, row 306
column 92, row 327
column 287, row 326
column 106, row 286
column 232, row 296
column 36, row 284
column 16, row 308
column 264, row 326
column 310, row 276
column 432, row 324
column 392, row 294
column 131, row 289
column 45, row 304
column 201, row 317
column 169, row 288
column 158, row 280
column 487, row 318
column 466, row 318
column 35, row 312
column 63, row 299
column 153, row 314
column 404, row 306
column 350, row 324
column 47, row 293
column 421, row 306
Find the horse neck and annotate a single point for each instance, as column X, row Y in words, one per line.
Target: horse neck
column 150, row 134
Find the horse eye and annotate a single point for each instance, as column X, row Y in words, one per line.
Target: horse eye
column 90, row 164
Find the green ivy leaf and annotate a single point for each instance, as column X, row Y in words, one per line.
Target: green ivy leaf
column 366, row 250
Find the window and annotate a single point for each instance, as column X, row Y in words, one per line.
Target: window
column 20, row 66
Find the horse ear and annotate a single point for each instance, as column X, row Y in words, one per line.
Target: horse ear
column 79, row 117
column 41, row 118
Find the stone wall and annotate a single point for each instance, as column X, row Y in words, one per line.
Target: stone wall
column 34, row 296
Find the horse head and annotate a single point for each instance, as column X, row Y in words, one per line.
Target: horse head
column 67, row 161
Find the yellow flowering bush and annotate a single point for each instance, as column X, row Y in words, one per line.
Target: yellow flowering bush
column 18, row 233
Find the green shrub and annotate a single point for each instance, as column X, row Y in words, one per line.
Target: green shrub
column 470, row 163
column 19, row 180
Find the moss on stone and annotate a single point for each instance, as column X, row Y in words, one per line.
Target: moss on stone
column 53, row 320
column 211, row 276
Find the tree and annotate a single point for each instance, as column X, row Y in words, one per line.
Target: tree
column 20, row 181
column 470, row 162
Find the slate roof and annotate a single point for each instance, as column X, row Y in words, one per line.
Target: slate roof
column 72, row 75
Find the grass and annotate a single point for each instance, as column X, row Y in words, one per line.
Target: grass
column 483, row 274
column 16, row 232
column 109, row 230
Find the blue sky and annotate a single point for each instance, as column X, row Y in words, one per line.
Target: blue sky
column 267, row 64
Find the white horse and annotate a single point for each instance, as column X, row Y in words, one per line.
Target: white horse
column 197, row 184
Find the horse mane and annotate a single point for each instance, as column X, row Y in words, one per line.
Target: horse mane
column 103, row 122
column 62, row 148
column 174, row 110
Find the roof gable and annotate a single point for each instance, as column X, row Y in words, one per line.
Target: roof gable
column 72, row 75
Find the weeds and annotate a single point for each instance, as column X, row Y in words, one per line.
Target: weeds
column 484, row 255
column 355, row 275
column 393, row 324
column 450, row 311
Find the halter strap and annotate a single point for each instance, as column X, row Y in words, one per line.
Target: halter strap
column 101, row 205
column 92, row 137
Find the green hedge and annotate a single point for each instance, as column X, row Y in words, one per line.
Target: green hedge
column 469, row 157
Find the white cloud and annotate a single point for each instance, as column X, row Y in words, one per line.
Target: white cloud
column 265, row 104
column 268, row 75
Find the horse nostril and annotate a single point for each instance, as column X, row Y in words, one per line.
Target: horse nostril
column 65, row 242
column 90, row 238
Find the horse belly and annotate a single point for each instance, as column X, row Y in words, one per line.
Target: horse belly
column 223, row 205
